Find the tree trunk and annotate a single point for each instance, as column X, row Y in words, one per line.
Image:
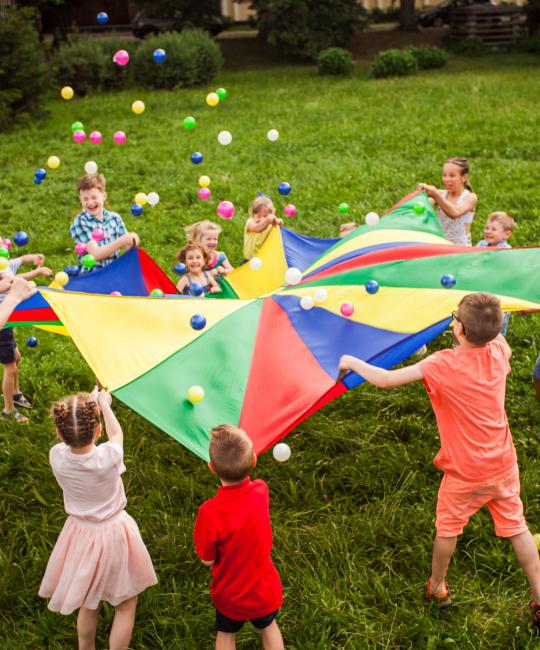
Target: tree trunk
column 407, row 17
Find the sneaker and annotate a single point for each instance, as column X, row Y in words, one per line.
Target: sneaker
column 535, row 615
column 21, row 400
column 16, row 415
column 443, row 599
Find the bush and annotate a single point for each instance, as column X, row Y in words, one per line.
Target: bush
column 473, row 46
column 429, row 57
column 393, row 63
column 335, row 61
column 527, row 44
column 193, row 59
column 23, row 73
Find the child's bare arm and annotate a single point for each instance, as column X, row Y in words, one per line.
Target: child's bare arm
column 508, row 349
column 208, row 562
column 127, row 240
column 226, row 267
column 36, row 259
column 214, row 286
column 379, row 376
column 452, row 210
column 112, row 426
column 182, row 284
column 40, row 270
column 261, row 225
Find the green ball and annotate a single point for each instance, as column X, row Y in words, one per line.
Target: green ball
column 77, row 126
column 88, row 261
column 221, row 93
column 4, row 252
column 156, row 293
column 343, row 208
column 419, row 208
column 190, row 122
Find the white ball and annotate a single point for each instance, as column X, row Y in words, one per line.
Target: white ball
column 307, row 302
column 224, row 137
column 273, row 135
column 320, row 296
column 90, row 167
column 293, row 275
column 255, row 263
column 372, row 218
column 152, row 198
column 281, row 452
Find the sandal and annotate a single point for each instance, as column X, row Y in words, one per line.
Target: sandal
column 443, row 599
column 16, row 415
column 21, row 400
column 535, row 615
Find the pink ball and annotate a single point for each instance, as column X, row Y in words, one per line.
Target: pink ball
column 80, row 248
column 79, row 136
column 121, row 57
column 204, row 193
column 119, row 137
column 98, row 234
column 96, row 137
column 347, row 309
column 115, row 293
column 225, row 210
column 7, row 243
column 289, row 210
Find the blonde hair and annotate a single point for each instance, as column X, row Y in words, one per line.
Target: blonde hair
column 463, row 165
column 89, row 181
column 504, row 219
column 260, row 203
column 231, row 452
column 195, row 231
column 481, row 316
column 76, row 417
column 182, row 253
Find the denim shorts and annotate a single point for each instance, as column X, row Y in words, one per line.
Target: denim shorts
column 226, row 624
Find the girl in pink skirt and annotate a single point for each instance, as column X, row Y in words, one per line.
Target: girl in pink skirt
column 100, row 554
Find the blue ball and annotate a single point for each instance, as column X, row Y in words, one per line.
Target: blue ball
column 20, row 238
column 284, row 188
column 196, row 289
column 37, row 180
column 180, row 268
column 72, row 270
column 136, row 210
column 102, row 18
column 31, row 342
column 372, row 286
column 196, row 157
column 159, row 55
column 198, row 322
column 41, row 173
column 221, row 258
column 448, row 281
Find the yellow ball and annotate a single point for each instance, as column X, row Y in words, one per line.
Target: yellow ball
column 141, row 198
column 138, row 107
column 536, row 538
column 195, row 394
column 32, row 284
column 61, row 278
column 67, row 92
column 3, row 264
column 53, row 162
column 212, row 99
column 204, row 181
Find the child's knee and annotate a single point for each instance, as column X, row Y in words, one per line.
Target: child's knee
column 10, row 368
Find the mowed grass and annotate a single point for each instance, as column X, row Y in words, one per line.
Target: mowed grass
column 353, row 509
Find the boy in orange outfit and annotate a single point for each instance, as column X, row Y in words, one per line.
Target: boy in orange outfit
column 466, row 386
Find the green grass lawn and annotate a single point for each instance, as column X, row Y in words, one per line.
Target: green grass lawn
column 353, row 509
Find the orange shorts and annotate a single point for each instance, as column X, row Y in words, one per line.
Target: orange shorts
column 459, row 500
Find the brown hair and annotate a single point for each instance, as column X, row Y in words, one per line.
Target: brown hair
column 89, row 181
column 195, row 231
column 231, row 452
column 481, row 316
column 504, row 219
column 259, row 203
column 76, row 417
column 182, row 253
column 464, row 166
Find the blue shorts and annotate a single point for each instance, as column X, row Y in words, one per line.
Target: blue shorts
column 8, row 346
column 229, row 625
column 536, row 369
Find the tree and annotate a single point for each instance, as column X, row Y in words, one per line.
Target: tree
column 407, row 16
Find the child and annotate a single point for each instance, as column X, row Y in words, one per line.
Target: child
column 196, row 257
column 346, row 228
column 466, row 386
column 99, row 554
column 536, row 378
column 497, row 231
column 9, row 352
column 456, row 204
column 17, row 290
column 91, row 189
column 261, row 220
column 207, row 233
column 233, row 535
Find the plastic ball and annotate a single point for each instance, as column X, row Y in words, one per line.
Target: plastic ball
column 225, row 210
column 273, row 135
column 79, row 136
column 95, row 137
column 4, row 252
column 448, row 281
column 119, row 137
column 152, row 198
column 156, row 293
column 4, row 264
column 289, row 210
column 343, row 208
column 307, row 302
column 347, row 309
column 61, row 278
column 136, row 210
column 224, row 137
column 80, row 248
column 320, row 296
column 121, row 57
column 88, row 261
column 212, row 99
column 204, row 181
column 77, row 126
column 180, row 268
column 98, row 234
column 53, row 162
column 419, row 208
column 196, row 289
column 159, row 55
column 102, row 18
column 67, row 92
column 196, row 157
column 372, row 218
column 372, row 286
column 90, row 167
column 255, row 263
column 141, row 198
column 221, row 93
column 204, row 193
column 31, row 342
column 284, row 188
column 20, row 238
column 189, row 122
column 37, row 180
column 115, row 293
column 72, row 270
column 6, row 243
column 195, row 394
column 138, row 107
column 197, row 322
column 281, row 452
column 293, row 275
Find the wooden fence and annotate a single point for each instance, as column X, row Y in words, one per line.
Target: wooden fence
column 496, row 26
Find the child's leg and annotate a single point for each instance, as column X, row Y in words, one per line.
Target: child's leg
column 87, row 620
column 271, row 637
column 16, row 389
column 8, row 384
column 122, row 627
column 443, row 549
column 225, row 641
column 527, row 555
column 537, row 388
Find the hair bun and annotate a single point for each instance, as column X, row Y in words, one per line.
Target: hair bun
column 60, row 411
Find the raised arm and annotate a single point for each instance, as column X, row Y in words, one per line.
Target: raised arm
column 112, row 426
column 452, row 210
column 379, row 376
column 261, row 225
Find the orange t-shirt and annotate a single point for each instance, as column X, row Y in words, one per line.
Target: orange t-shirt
column 466, row 387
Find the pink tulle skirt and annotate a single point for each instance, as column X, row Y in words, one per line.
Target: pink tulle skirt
column 95, row 561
